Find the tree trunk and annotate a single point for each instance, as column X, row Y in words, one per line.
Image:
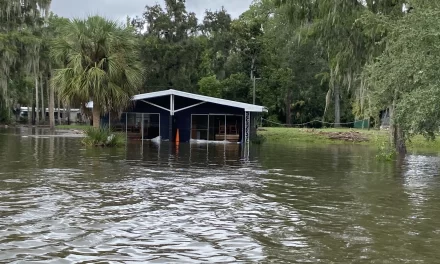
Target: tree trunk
column 397, row 136
column 29, row 107
column 288, row 108
column 37, row 115
column 59, row 109
column 33, row 113
column 96, row 115
column 29, row 116
column 64, row 112
column 337, row 106
column 43, row 109
column 17, row 113
column 68, row 114
column 51, row 105
column 392, row 127
column 399, row 140
column 252, row 67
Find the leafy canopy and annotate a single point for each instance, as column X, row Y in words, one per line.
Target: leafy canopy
column 99, row 62
column 407, row 72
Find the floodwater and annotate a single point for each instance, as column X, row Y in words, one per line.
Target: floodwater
column 63, row 203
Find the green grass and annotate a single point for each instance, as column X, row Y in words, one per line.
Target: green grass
column 309, row 136
column 303, row 135
column 77, row 127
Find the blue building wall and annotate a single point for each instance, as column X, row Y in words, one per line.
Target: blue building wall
column 181, row 119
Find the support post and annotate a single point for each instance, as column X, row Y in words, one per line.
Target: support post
column 158, row 106
column 170, row 128
column 188, row 107
column 172, row 104
column 142, row 126
column 242, row 131
column 171, row 123
column 247, row 127
column 126, row 126
column 226, row 130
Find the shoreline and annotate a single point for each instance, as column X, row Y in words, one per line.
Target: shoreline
column 340, row 136
column 303, row 136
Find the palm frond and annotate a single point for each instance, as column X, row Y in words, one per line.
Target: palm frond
column 99, row 62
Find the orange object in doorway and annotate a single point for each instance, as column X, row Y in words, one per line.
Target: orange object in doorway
column 177, row 137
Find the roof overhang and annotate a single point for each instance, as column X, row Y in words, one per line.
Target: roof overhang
column 202, row 98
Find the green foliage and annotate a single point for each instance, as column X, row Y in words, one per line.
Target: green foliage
column 237, row 87
column 385, row 151
column 382, row 52
column 210, row 86
column 170, row 48
column 102, row 137
column 406, row 74
column 20, row 45
column 272, row 121
column 100, row 63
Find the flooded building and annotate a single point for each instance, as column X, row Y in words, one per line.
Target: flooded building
column 175, row 115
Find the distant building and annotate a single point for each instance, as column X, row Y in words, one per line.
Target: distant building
column 76, row 115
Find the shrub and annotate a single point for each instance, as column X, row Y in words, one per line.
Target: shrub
column 102, row 137
column 385, row 151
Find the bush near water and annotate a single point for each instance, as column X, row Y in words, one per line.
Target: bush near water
column 103, row 137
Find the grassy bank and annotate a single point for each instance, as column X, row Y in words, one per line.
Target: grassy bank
column 340, row 136
column 76, row 127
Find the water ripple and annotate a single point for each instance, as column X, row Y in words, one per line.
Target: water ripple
column 211, row 205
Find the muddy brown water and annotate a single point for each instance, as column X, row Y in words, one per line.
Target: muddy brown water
column 63, row 203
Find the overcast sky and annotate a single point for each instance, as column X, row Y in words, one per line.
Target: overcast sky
column 120, row 9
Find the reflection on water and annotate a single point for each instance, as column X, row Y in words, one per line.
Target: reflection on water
column 63, row 203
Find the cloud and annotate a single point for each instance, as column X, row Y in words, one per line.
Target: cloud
column 234, row 7
column 120, row 9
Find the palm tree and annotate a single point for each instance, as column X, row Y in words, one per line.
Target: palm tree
column 100, row 62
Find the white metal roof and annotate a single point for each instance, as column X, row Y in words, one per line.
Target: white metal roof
column 203, row 98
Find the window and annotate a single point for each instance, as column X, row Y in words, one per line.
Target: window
column 140, row 125
column 199, row 127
